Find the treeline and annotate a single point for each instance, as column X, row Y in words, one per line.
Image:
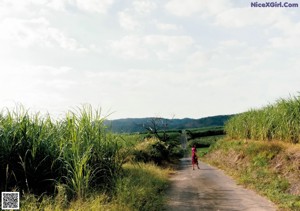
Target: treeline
column 131, row 125
column 212, row 131
column 278, row 121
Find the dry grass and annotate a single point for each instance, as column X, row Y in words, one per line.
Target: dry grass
column 140, row 188
column 287, row 164
column 270, row 168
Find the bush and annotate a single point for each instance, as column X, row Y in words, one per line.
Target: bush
column 151, row 150
column 176, row 152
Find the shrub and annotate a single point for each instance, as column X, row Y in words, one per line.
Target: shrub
column 151, row 150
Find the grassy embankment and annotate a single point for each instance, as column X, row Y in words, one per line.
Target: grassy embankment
column 76, row 164
column 140, row 187
column 262, row 151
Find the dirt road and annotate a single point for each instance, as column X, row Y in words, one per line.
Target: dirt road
column 210, row 189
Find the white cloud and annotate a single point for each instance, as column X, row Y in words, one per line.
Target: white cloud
column 129, row 47
column 173, row 44
column 144, row 6
column 164, row 47
column 158, row 46
column 128, row 21
column 235, row 52
column 28, row 8
column 135, row 17
column 99, row 6
column 226, row 14
column 289, row 38
column 23, row 74
column 166, row 26
column 198, row 7
column 229, row 56
column 34, row 86
column 35, row 32
column 59, row 5
column 232, row 43
column 198, row 60
column 95, row 6
column 19, row 5
column 241, row 17
column 216, row 50
column 142, row 87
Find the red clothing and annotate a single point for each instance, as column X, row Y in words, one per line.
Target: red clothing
column 194, row 155
column 194, row 150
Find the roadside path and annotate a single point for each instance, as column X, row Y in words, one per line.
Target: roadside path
column 210, row 189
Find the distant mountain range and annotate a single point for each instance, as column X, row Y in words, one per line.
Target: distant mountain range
column 132, row 125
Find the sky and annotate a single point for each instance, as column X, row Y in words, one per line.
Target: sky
column 147, row 58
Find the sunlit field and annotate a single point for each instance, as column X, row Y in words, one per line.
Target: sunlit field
column 76, row 163
column 279, row 121
column 261, row 150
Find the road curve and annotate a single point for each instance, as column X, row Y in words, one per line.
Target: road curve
column 210, row 189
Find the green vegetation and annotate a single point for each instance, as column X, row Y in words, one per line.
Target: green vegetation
column 76, row 163
column 205, row 142
column 273, row 122
column 139, row 187
column 167, row 143
column 142, row 187
column 271, row 168
column 38, row 153
column 203, row 138
column 201, row 152
column 154, row 150
column 203, row 130
column 261, row 150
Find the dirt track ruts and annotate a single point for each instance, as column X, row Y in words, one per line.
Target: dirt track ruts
column 210, row 189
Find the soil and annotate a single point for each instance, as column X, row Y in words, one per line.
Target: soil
column 210, row 189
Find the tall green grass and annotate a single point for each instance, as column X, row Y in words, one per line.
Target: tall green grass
column 279, row 121
column 140, row 186
column 38, row 153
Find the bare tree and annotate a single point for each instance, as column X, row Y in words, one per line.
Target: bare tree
column 157, row 126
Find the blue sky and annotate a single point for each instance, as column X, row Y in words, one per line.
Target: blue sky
column 141, row 58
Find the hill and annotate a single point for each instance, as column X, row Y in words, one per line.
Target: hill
column 132, row 125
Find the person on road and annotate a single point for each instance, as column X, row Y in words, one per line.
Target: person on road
column 194, row 157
